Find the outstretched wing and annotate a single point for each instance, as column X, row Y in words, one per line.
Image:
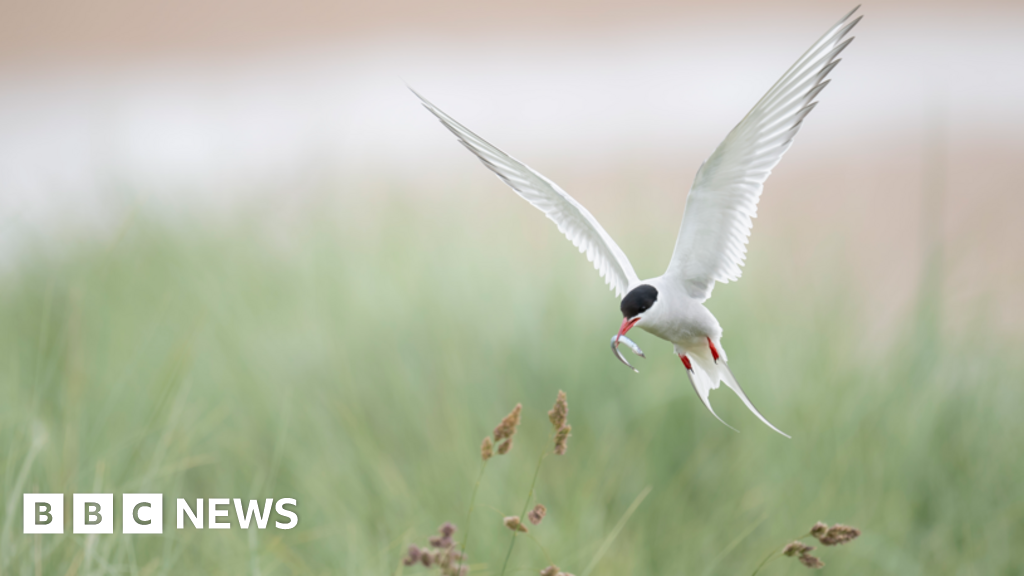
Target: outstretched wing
column 712, row 242
column 572, row 219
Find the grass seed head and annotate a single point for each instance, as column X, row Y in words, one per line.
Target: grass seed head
column 443, row 542
column 486, row 449
column 443, row 539
column 560, row 412
column 412, row 557
column 819, row 529
column 811, row 561
column 839, row 534
column 507, row 428
column 537, row 514
column 514, row 523
column 504, row 447
column 450, row 564
column 562, row 439
column 796, row 548
column 550, row 571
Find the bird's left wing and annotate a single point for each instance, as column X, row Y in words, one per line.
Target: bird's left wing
column 712, row 242
column 572, row 219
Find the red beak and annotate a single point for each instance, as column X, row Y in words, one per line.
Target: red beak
column 627, row 323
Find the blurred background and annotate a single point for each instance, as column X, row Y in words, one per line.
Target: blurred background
column 238, row 259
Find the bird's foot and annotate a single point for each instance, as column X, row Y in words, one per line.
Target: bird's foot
column 714, row 351
column 686, row 362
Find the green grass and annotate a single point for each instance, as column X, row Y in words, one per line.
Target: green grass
column 356, row 367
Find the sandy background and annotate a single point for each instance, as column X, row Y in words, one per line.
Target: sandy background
column 914, row 150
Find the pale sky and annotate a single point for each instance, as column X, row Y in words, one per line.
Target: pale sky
column 203, row 103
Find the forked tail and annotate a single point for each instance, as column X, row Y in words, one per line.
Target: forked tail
column 705, row 375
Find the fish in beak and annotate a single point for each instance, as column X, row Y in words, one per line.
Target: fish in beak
column 627, row 323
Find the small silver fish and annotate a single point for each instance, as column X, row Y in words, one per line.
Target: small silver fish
column 632, row 345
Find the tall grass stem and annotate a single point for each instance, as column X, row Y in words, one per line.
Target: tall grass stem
column 615, row 531
column 39, row 437
column 526, row 505
column 773, row 555
column 469, row 515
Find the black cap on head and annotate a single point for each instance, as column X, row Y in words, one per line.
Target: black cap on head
column 638, row 300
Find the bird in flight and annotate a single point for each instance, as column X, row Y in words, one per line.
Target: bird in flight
column 711, row 245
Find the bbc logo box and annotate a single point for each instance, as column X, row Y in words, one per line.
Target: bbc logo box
column 142, row 513
column 44, row 513
column 93, row 513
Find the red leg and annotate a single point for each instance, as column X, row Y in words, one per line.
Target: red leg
column 714, row 351
column 686, row 362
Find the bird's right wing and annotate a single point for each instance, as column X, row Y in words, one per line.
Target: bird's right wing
column 712, row 242
column 572, row 219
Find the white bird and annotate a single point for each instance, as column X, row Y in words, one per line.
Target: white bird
column 711, row 246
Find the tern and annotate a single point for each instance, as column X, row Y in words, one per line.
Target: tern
column 717, row 219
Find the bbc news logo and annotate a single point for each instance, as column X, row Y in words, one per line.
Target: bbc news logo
column 144, row 513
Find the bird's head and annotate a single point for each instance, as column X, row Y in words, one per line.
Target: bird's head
column 637, row 303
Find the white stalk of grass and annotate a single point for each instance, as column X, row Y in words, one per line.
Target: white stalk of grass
column 526, row 506
column 469, row 515
column 39, row 438
column 736, row 542
column 615, row 531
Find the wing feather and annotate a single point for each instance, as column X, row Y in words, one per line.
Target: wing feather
column 722, row 203
column 572, row 219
